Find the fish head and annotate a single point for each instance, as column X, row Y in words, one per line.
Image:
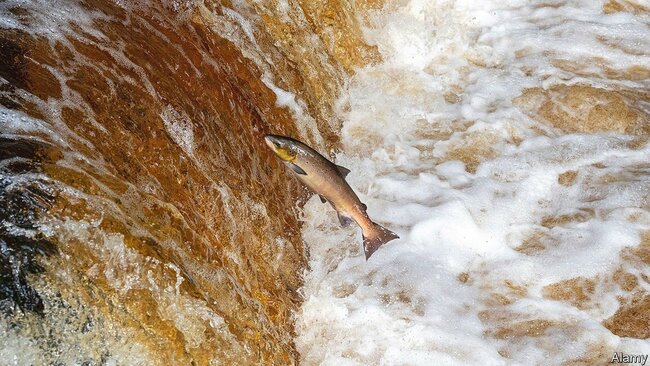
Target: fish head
column 283, row 147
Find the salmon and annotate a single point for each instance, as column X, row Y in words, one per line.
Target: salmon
column 327, row 180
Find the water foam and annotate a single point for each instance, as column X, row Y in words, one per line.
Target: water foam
column 441, row 154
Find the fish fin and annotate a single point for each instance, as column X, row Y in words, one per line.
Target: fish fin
column 296, row 169
column 344, row 220
column 378, row 237
column 343, row 170
column 322, row 199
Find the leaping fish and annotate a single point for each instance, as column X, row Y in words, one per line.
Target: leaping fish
column 328, row 181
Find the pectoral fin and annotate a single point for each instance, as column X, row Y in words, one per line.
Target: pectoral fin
column 296, row 169
column 322, row 199
column 344, row 220
column 343, row 170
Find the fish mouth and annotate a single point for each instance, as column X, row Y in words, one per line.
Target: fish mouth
column 279, row 146
column 270, row 141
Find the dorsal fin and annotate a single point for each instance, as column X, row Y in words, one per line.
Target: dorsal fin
column 322, row 199
column 343, row 170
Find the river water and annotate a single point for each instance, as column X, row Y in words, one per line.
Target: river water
column 506, row 143
column 145, row 222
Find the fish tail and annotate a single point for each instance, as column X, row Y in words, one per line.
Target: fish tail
column 376, row 237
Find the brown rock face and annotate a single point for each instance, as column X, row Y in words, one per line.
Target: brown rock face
column 144, row 220
column 586, row 109
column 632, row 320
column 576, row 291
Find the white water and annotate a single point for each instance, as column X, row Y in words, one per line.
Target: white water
column 407, row 305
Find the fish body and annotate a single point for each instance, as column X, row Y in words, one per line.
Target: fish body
column 328, row 180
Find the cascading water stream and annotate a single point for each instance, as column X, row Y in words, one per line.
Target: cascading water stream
column 144, row 221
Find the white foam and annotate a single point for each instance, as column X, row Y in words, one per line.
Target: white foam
column 406, row 305
column 179, row 127
column 50, row 18
column 124, row 269
column 307, row 127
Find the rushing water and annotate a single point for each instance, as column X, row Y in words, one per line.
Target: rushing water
column 145, row 222
column 506, row 142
